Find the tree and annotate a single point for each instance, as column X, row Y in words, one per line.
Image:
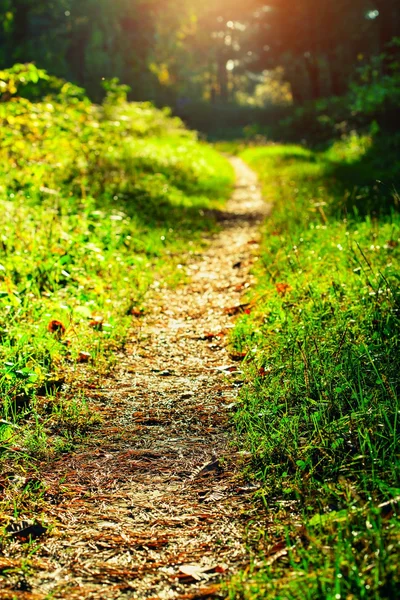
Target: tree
column 320, row 43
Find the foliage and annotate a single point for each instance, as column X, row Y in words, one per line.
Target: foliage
column 181, row 51
column 379, row 87
column 320, row 410
column 370, row 105
column 94, row 198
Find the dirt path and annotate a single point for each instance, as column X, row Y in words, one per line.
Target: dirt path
column 153, row 506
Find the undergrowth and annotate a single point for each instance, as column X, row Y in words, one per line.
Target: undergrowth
column 97, row 203
column 320, row 410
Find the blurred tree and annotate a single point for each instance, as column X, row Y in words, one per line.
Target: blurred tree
column 316, row 43
column 172, row 50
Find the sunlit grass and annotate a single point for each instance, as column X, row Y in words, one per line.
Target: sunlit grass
column 96, row 209
column 320, row 410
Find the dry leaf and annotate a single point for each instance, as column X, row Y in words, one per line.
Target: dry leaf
column 235, row 310
column 212, row 336
column 221, row 568
column 208, row 467
column 241, row 286
column 227, row 368
column 97, row 323
column 137, row 312
column 194, row 571
column 56, row 328
column 238, row 356
column 214, row 497
column 83, row 357
column 283, row 288
column 25, row 530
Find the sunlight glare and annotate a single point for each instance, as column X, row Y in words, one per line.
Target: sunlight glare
column 372, row 14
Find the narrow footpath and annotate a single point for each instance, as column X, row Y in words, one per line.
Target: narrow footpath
column 153, row 505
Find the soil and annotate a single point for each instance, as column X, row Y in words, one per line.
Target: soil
column 153, row 504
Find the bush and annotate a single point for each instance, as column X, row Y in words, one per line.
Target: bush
column 94, row 199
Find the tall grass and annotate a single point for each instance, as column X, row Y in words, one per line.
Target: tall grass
column 320, row 410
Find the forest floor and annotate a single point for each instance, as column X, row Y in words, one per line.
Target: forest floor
column 153, row 503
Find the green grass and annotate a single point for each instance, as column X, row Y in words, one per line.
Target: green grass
column 320, row 408
column 98, row 203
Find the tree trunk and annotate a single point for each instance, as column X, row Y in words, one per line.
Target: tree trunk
column 21, row 30
column 338, row 84
column 389, row 16
column 297, row 95
column 314, row 75
column 76, row 58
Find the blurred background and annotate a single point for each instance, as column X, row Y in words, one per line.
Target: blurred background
column 288, row 70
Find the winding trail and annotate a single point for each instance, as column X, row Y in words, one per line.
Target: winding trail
column 153, row 505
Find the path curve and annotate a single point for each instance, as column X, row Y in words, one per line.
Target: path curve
column 153, row 506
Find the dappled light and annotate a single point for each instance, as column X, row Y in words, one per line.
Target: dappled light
column 199, row 299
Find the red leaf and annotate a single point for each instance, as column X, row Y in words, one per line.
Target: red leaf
column 238, row 356
column 56, row 328
column 234, row 310
column 283, row 288
column 221, row 568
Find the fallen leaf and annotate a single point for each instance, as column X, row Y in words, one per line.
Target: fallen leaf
column 137, row 312
column 235, row 310
column 83, row 357
column 194, row 571
column 208, row 467
column 238, row 356
column 25, row 530
column 212, row 336
column 221, row 568
column 227, row 369
column 212, row 498
column 241, row 286
column 97, row 323
column 283, row 288
column 198, row 572
column 56, row 328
